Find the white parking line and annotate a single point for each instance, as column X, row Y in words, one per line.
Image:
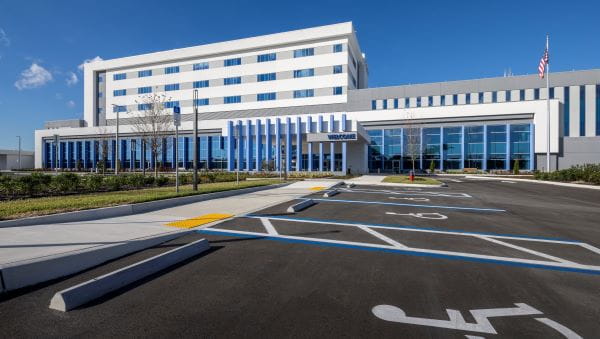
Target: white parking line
column 508, row 182
column 526, row 250
column 382, row 237
column 413, row 193
column 456, row 180
column 268, row 226
column 411, row 199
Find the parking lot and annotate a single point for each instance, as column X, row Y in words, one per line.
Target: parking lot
column 479, row 258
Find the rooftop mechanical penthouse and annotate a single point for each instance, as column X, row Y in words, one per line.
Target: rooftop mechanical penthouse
column 300, row 99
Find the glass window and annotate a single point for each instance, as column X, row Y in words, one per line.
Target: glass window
column 304, row 93
column 411, row 147
column 232, row 62
column 201, row 84
column 454, row 99
column 392, row 150
column 418, row 101
column 396, row 103
column 236, row 99
column 337, row 90
column 452, row 147
column 496, row 147
column 373, row 104
column 265, row 96
column 200, row 66
column 480, row 98
column 468, row 98
column 232, row 81
column 337, row 69
column 100, row 94
column 266, row 77
column 299, row 53
column 406, row 102
column 522, row 95
column 171, row 104
column 431, row 147
column 120, row 76
column 375, row 153
column 520, row 140
column 144, row 90
column 119, row 109
column 172, row 87
column 301, row 73
column 582, row 110
column 494, row 96
column 100, row 78
column 508, row 95
column 266, row 57
column 145, row 73
column 384, row 103
column 202, row 102
column 473, row 147
column 172, row 69
column 536, row 94
column 442, row 100
column 144, row 107
column 119, row 92
column 337, row 48
column 551, row 92
column 430, row 101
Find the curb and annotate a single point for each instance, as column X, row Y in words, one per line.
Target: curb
column 564, row 184
column 85, row 292
column 300, row 206
column 34, row 271
column 123, row 210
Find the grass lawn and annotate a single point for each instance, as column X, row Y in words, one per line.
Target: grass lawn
column 41, row 206
column 405, row 179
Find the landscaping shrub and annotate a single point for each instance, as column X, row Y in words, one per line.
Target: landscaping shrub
column 587, row 173
column 115, row 182
column 93, row 183
column 65, row 183
column 33, row 184
column 135, row 180
column 161, row 180
column 516, row 167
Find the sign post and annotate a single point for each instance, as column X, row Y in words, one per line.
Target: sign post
column 177, row 123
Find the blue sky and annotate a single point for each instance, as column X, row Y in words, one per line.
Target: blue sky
column 42, row 43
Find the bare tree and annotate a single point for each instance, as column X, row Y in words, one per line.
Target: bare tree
column 412, row 136
column 153, row 123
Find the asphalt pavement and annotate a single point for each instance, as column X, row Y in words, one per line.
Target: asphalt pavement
column 480, row 258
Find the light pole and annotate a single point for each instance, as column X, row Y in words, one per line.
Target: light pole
column 19, row 137
column 117, row 109
column 177, row 122
column 195, row 186
column 238, row 153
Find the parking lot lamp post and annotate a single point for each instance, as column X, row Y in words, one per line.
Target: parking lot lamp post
column 195, row 184
column 117, row 109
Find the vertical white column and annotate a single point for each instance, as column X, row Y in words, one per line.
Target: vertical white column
column 309, row 130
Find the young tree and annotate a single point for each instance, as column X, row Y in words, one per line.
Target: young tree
column 153, row 123
column 412, row 139
column 103, row 149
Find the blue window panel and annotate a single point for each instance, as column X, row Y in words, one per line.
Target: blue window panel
column 494, row 96
column 299, row 53
column 430, row 101
column 337, row 69
column 236, row 99
column 304, row 93
column 384, row 103
column 597, row 109
column 508, row 97
column 200, row 66
column 266, row 57
column 171, row 69
column 406, row 102
column 337, row 48
column 171, row 104
column 172, row 87
column 100, row 94
column 431, row 147
column 301, row 73
column 144, row 90
column 582, row 110
column 442, row 100
column 373, row 104
column 145, row 73
column 452, row 147
column 468, row 98
column 520, row 145
column 119, row 92
column 266, row 77
column 496, row 147
column 480, row 97
column 396, row 103
column 232, row 62
column 119, row 76
column 202, row 102
column 265, row 96
column 418, row 101
column 201, row 84
column 232, row 81
column 455, row 99
column 144, row 107
column 551, row 92
column 119, row 109
column 566, row 110
column 100, row 78
column 521, row 95
column 536, row 94
column 473, row 147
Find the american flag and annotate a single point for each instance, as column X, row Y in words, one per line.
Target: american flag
column 543, row 63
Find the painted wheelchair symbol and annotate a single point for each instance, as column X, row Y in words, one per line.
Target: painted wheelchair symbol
column 434, row 216
column 456, row 321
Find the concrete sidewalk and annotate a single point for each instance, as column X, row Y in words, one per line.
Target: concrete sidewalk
column 39, row 241
column 377, row 180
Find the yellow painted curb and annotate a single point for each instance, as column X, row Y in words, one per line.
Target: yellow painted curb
column 317, row 188
column 200, row 220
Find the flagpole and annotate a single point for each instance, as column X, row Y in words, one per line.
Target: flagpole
column 548, row 105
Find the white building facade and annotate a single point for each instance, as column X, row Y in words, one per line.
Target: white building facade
column 299, row 100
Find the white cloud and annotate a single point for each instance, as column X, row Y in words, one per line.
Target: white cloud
column 72, row 79
column 4, row 40
column 87, row 61
column 70, row 103
column 33, row 77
